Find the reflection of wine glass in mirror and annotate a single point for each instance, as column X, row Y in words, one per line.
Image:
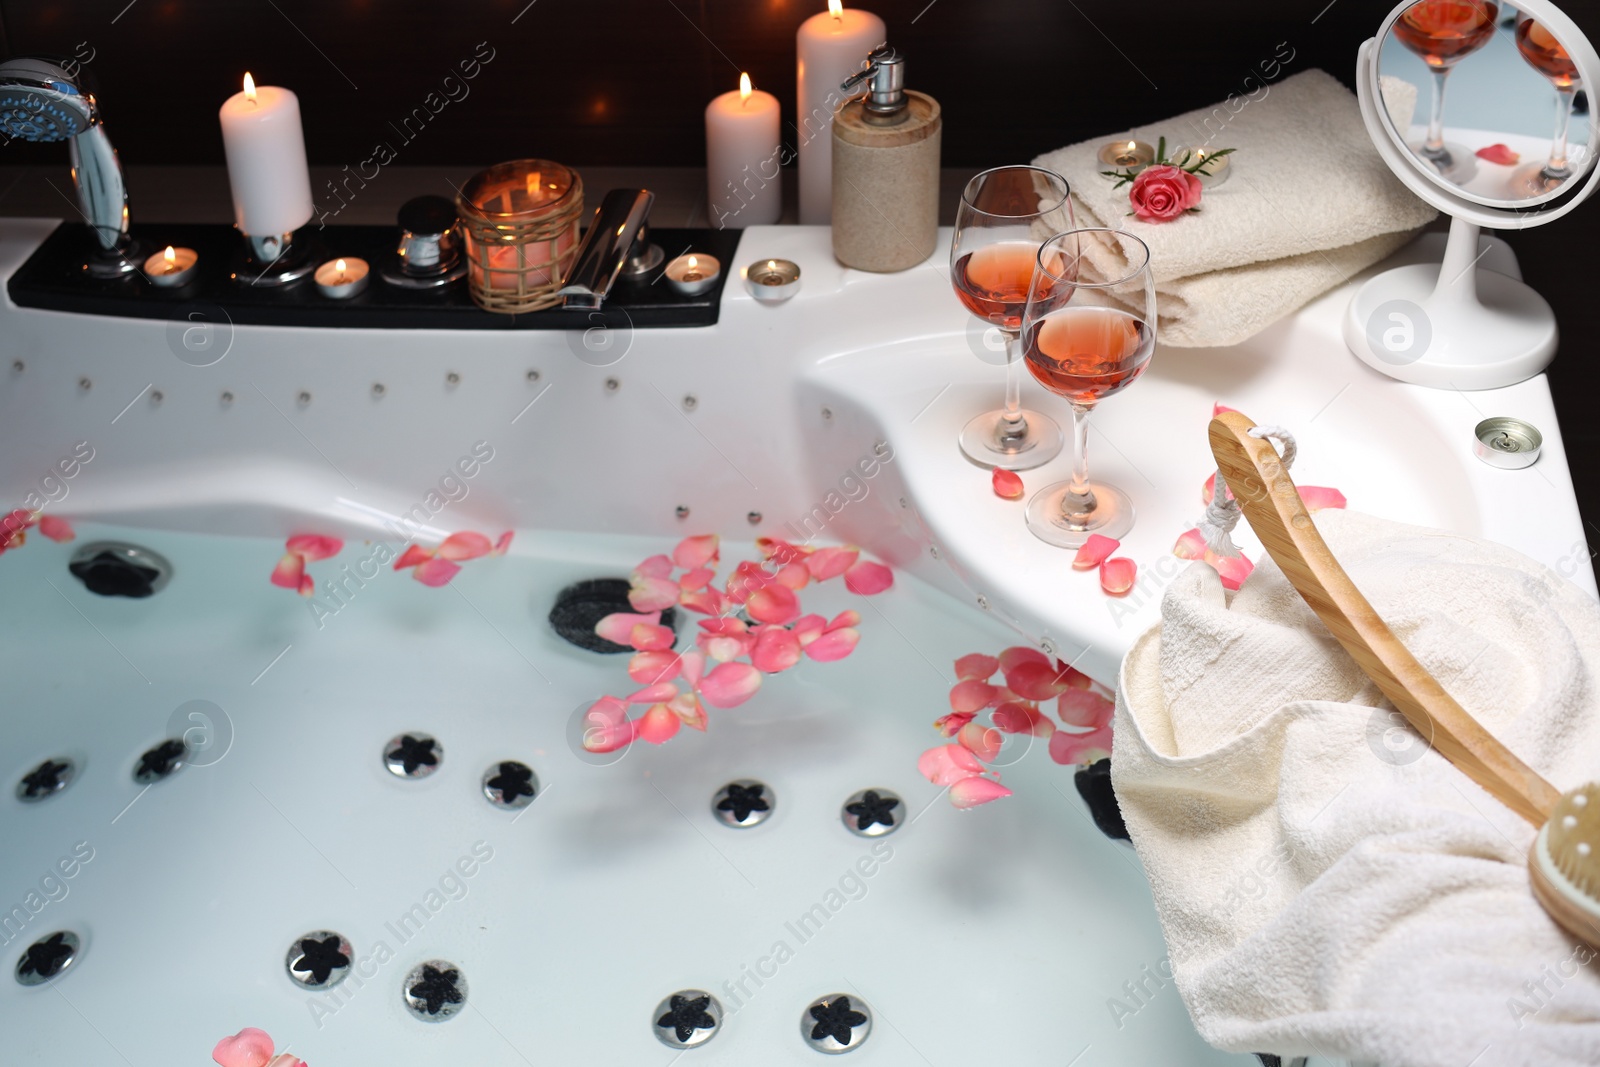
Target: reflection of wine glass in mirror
column 1085, row 340
column 1442, row 33
column 1005, row 214
column 1546, row 55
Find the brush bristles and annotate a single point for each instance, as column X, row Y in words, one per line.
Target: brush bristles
column 1573, row 838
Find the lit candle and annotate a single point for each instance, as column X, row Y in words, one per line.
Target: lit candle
column 1218, row 167
column 266, row 154
column 693, row 274
column 1127, row 155
column 830, row 47
column 743, row 182
column 341, row 279
column 171, row 267
column 772, row 281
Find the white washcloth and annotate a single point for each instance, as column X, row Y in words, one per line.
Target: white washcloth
column 1327, row 884
column 1309, row 204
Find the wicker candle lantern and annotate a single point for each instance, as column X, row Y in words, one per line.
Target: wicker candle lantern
column 521, row 222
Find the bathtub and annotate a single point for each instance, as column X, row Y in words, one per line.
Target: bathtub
column 1012, row 933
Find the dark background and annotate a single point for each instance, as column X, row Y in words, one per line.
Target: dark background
column 625, row 82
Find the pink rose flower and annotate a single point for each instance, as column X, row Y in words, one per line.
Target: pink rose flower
column 1160, row 194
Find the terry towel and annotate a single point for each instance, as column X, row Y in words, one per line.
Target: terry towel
column 1309, row 204
column 1327, row 883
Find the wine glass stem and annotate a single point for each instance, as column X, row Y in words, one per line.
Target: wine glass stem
column 1013, row 428
column 1078, row 501
column 1434, row 145
column 1557, row 167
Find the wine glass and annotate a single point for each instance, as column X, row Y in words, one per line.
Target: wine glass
column 1085, row 339
column 1443, row 33
column 1005, row 214
column 1546, row 55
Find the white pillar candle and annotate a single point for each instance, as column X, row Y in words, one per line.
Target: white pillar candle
column 830, row 47
column 266, row 160
column 743, row 177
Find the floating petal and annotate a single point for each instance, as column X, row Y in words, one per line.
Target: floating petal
column 977, row 666
column 648, row 668
column 465, row 545
column 948, row 764
column 618, row 626
column 982, row 741
column 314, row 547
column 414, row 556
column 845, row 618
column 307, row 586
column 867, row 578
column 436, row 572
column 651, row 594
column 794, row 575
column 651, row 637
column 658, row 725
column 730, row 684
column 290, row 569
column 248, row 1048
column 951, row 724
column 1037, row 681
column 658, row 693
column 689, row 710
column 694, row 580
column 1016, row 717
column 834, row 645
column 775, row 548
column 695, row 552
column 1084, row 707
column 774, row 604
column 606, row 727
column 776, row 650
column 1086, row 747
column 1094, row 552
column 692, row 664
column 970, row 792
column 808, row 628
column 659, row 566
column 827, row 563
column 973, row 695
column 1117, row 575
column 56, row 528
column 705, row 601
column 1007, row 485
column 502, row 544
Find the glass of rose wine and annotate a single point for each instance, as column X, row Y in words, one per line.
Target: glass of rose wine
column 1545, row 54
column 1443, row 33
column 1085, row 340
column 1005, row 215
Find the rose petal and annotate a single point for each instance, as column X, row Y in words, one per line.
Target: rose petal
column 688, row 709
column 248, row 1048
column 730, row 684
column 290, row 569
column 1086, row 747
column 502, row 544
column 1016, row 717
column 982, row 741
column 658, row 693
column 794, row 575
column 56, row 528
column 948, row 764
column 307, row 586
column 618, row 626
column 314, row 547
column 807, row 628
column 651, row 637
column 606, row 727
column 775, row 548
column 973, row 695
column 1210, row 486
column 648, row 668
column 1018, row 654
column 695, row 551
column 1498, row 153
column 977, row 666
column 651, row 594
column 658, row 566
column 694, row 580
column 1190, row 545
column 284, row 1059
column 951, row 724
column 827, row 563
column 1094, row 552
column 658, row 724
column 436, row 572
column 776, row 650
column 867, row 578
column 1037, row 681
column 705, row 601
column 413, row 556
column 692, row 664
column 845, row 618
column 1007, row 485
column 1117, row 575
column 12, row 527
column 725, row 647
column 773, row 604
column 1233, row 569
column 465, row 545
column 1219, row 408
column 834, row 645
column 970, row 792
column 1084, row 707
column 1315, row 498
column 747, row 578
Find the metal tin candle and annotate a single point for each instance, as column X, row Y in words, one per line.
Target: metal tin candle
column 171, row 267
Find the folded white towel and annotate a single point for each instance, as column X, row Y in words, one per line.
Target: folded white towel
column 1327, row 884
column 1309, row 204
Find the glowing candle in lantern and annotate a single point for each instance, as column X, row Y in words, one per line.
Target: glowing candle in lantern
column 743, row 182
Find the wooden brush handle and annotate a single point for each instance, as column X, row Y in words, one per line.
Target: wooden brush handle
column 1271, row 502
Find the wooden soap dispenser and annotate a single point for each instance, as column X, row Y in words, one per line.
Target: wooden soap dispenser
column 885, row 169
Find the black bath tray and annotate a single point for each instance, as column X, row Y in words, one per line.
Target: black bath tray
column 53, row 278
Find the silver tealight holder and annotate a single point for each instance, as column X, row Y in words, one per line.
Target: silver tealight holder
column 772, row 281
column 1509, row 444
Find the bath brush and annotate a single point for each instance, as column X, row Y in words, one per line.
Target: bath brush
column 1564, row 862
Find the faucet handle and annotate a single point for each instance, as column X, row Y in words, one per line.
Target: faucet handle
column 606, row 248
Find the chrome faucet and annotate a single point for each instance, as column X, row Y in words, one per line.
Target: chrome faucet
column 42, row 101
column 618, row 243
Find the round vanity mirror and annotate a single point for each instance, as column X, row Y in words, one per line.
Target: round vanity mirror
column 1479, row 108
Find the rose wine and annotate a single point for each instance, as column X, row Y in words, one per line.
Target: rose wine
column 1545, row 54
column 1087, row 353
column 1445, row 31
column 995, row 281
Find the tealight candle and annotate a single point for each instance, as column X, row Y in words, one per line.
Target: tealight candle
column 340, row 279
column 1218, row 168
column 694, row 273
column 1127, row 155
column 171, row 267
column 772, row 281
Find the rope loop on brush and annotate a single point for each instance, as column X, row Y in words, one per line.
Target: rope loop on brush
column 1222, row 511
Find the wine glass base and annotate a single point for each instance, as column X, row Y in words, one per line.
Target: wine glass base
column 1459, row 166
column 1112, row 515
column 981, row 442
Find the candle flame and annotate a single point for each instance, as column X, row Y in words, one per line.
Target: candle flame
column 1132, row 145
column 693, row 263
column 170, row 255
column 338, row 265
column 249, row 87
column 836, row 9
column 535, row 184
column 744, row 88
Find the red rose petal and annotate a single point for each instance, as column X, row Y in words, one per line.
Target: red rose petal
column 1117, row 575
column 1007, row 485
column 1094, row 552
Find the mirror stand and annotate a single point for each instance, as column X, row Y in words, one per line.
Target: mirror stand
column 1453, row 326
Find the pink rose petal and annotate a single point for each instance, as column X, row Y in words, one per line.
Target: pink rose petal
column 1498, row 153
column 694, row 580
column 977, row 666
column 56, row 528
column 1037, row 681
column 657, row 566
column 1018, row 654
column 618, row 626
column 413, row 556
column 775, row 548
column 867, row 578
column 502, row 544
column 705, row 601
column 1016, row 717
column 845, row 618
column 688, row 709
column 658, row 693
column 1086, row 747
column 773, row 604
column 1084, row 707
column 807, row 628
column 648, row 668
column 794, row 575
column 651, row 594
column 1190, row 545
column 1117, row 575
column 465, row 545
column 307, row 586
column 290, row 569
column 695, row 551
column 436, row 572
column 951, row 724
column 730, row 684
column 651, row 637
column 1094, row 552
column 747, row 578
column 1315, row 498
column 606, row 727
column 776, row 650
column 1210, row 486
column 1218, row 409
column 658, row 725
column 827, row 563
column 948, row 764
column 1007, row 484
column 314, row 547
column 248, row 1048
column 970, row 792
column 834, row 645
column 1233, row 569
column 982, row 741
column 973, row 695
column 692, row 664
